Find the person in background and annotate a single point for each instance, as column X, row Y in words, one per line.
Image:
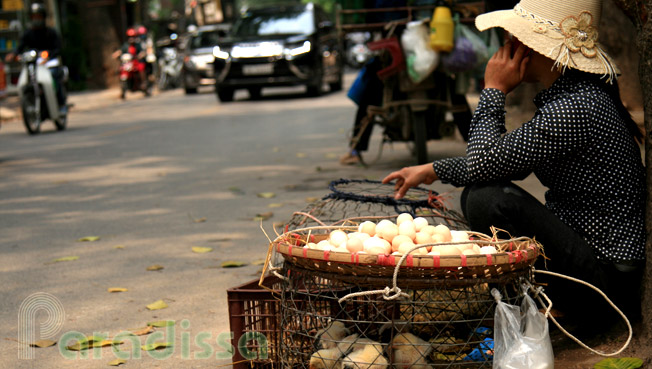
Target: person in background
column 582, row 144
column 40, row 37
column 134, row 47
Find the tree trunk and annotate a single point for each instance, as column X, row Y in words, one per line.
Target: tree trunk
column 639, row 13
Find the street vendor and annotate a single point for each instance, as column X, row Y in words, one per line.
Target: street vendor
column 581, row 143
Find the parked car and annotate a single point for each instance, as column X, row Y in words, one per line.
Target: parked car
column 198, row 57
column 279, row 46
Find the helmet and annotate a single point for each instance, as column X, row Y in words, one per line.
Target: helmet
column 131, row 32
column 142, row 30
column 37, row 8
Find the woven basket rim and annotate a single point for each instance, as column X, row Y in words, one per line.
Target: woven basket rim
column 526, row 252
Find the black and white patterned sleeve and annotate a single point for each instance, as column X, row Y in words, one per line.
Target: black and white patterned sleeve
column 557, row 129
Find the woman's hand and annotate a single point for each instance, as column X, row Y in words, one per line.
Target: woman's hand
column 409, row 177
column 504, row 71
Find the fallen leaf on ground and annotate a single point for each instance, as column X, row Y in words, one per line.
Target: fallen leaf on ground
column 301, row 155
column 311, row 199
column 266, row 195
column 155, row 346
column 197, row 220
column 619, row 363
column 236, row 190
column 154, row 267
column 116, row 289
column 263, row 216
column 276, row 149
column 233, row 264
column 275, row 205
column 43, row 343
column 201, row 250
column 142, row 331
column 157, row 305
column 89, row 239
column 65, row 258
column 119, row 247
column 161, row 323
column 258, row 262
column 331, row 155
column 117, row 362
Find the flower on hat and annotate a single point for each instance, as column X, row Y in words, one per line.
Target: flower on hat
column 580, row 34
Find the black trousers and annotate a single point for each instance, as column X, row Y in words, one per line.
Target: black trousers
column 509, row 207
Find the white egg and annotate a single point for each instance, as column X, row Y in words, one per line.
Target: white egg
column 447, row 250
column 354, row 244
column 407, row 228
column 405, row 247
column 476, row 248
column 373, row 242
column 403, row 217
column 312, row 245
column 459, row 236
column 376, row 250
column 438, row 238
column 444, row 231
column 337, row 238
column 368, row 228
column 434, row 252
column 470, row 251
column 488, row 250
column 398, row 240
column 420, row 222
column 359, row 235
column 423, row 237
column 324, row 245
column 387, row 231
column 341, row 249
column 430, row 229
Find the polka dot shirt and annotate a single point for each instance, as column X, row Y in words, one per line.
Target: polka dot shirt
column 579, row 148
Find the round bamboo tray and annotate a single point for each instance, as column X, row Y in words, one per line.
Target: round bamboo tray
column 519, row 253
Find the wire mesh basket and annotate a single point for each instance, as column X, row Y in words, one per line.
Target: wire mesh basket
column 449, row 321
column 406, row 311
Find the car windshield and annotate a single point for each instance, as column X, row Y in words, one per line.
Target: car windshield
column 206, row 39
column 264, row 24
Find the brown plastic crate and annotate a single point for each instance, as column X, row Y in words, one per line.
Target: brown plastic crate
column 254, row 310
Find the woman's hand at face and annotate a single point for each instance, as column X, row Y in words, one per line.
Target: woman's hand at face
column 504, row 71
column 409, row 177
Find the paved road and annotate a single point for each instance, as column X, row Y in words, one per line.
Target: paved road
column 153, row 178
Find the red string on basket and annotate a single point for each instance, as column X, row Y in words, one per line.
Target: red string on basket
column 409, row 260
column 490, row 259
column 305, row 252
column 327, row 255
column 435, row 261
column 463, row 257
column 437, row 201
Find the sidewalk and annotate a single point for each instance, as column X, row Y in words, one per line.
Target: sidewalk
column 81, row 101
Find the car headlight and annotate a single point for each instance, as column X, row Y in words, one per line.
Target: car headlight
column 290, row 53
column 218, row 53
column 200, row 61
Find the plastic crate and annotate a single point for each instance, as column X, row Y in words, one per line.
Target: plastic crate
column 255, row 311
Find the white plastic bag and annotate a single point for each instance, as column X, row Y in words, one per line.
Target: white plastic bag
column 420, row 58
column 521, row 338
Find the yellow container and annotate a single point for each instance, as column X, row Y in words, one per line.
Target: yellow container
column 442, row 29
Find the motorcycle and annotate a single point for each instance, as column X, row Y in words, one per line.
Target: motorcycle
column 169, row 69
column 37, row 91
column 130, row 76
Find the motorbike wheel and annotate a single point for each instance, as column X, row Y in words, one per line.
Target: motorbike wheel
column 31, row 113
column 420, row 132
column 224, row 94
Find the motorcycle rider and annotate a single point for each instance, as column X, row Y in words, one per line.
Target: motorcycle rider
column 43, row 38
column 147, row 45
column 134, row 47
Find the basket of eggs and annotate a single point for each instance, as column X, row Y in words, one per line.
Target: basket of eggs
column 411, row 246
